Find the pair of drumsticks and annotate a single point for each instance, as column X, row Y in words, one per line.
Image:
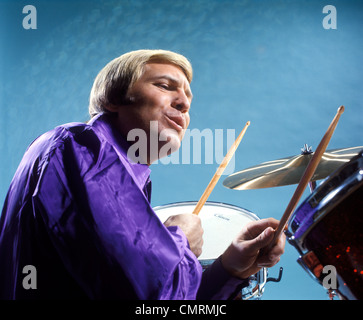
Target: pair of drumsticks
column 309, row 172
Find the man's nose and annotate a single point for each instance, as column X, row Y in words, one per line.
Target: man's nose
column 181, row 102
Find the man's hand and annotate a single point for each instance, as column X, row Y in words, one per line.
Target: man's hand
column 244, row 258
column 191, row 225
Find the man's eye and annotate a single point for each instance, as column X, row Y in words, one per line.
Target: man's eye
column 163, row 85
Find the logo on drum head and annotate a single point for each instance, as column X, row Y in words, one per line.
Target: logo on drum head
column 221, row 216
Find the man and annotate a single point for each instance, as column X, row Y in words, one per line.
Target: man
column 78, row 209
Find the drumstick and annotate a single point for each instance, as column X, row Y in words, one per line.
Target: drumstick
column 219, row 171
column 309, row 171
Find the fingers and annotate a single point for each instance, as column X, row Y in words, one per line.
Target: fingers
column 258, row 234
column 254, row 228
column 191, row 225
column 262, row 240
column 270, row 257
column 243, row 257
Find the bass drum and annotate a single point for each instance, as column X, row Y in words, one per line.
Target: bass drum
column 327, row 231
column 221, row 222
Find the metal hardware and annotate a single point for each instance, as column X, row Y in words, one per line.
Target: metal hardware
column 278, row 279
column 306, row 149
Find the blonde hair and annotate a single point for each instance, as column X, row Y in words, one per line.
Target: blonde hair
column 113, row 81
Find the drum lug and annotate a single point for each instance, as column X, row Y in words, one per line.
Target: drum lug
column 278, row 279
column 306, row 149
column 311, row 264
column 288, row 233
column 332, row 294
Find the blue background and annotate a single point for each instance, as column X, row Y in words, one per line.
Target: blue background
column 270, row 62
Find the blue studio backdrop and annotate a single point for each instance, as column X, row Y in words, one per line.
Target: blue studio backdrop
column 286, row 66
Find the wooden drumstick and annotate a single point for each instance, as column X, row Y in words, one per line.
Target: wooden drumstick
column 308, row 174
column 219, row 171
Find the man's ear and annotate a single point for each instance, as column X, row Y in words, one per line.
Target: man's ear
column 111, row 107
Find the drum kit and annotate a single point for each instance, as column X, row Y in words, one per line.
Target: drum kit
column 326, row 228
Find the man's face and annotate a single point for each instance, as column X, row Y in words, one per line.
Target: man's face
column 162, row 95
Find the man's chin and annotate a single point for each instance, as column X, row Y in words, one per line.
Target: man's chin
column 171, row 145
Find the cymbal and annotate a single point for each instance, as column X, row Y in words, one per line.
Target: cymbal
column 287, row 171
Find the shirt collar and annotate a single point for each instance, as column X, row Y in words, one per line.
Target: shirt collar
column 103, row 126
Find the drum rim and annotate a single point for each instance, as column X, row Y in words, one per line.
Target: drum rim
column 349, row 184
column 217, row 203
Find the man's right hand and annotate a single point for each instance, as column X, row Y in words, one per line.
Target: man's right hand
column 244, row 258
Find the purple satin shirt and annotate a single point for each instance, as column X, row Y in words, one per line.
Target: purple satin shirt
column 79, row 212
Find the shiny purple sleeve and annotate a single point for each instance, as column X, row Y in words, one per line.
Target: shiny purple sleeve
column 217, row 284
column 105, row 231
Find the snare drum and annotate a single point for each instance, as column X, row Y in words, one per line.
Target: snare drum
column 221, row 223
column 327, row 230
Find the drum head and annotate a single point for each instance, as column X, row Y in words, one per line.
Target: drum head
column 221, row 223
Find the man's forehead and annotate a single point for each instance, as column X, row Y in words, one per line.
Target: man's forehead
column 159, row 68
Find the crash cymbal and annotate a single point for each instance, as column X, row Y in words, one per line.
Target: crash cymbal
column 287, row 171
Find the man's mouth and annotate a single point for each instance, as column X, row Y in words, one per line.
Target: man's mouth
column 176, row 121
